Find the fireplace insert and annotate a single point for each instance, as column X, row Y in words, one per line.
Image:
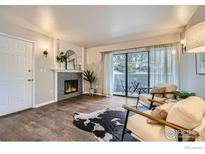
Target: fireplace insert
column 70, row 86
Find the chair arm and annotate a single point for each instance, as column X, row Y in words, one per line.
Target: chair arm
column 163, row 93
column 163, row 122
column 157, row 93
column 155, row 101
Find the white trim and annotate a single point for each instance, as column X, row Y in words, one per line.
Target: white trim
column 16, row 37
column 56, row 85
column 44, row 103
column 66, row 71
column 98, row 94
column 33, row 73
column 55, row 49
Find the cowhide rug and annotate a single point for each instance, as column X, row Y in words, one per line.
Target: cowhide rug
column 106, row 125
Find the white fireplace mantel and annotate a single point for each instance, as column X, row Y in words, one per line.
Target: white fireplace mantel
column 64, row 70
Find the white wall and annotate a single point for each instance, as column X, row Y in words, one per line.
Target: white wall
column 44, row 77
column 93, row 58
column 190, row 80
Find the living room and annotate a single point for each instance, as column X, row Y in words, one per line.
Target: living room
column 123, row 73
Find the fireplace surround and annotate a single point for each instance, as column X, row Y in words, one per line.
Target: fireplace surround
column 68, row 83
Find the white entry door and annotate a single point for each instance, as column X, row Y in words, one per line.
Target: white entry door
column 15, row 75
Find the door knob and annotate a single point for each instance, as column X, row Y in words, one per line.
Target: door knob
column 29, row 80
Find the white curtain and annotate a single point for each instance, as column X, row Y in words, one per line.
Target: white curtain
column 108, row 75
column 164, row 65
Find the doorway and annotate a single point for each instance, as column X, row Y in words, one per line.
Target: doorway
column 16, row 75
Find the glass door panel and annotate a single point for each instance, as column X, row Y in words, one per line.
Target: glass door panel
column 119, row 74
column 137, row 72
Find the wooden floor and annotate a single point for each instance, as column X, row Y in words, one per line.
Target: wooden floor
column 54, row 122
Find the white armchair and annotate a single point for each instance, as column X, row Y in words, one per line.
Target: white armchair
column 185, row 121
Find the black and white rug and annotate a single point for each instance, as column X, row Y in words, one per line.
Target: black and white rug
column 106, row 125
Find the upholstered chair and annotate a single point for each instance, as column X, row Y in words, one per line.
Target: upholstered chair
column 159, row 93
column 181, row 121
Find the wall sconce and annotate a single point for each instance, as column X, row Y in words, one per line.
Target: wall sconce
column 45, row 52
column 183, row 46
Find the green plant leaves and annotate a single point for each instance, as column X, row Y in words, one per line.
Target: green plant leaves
column 89, row 76
column 183, row 94
column 62, row 57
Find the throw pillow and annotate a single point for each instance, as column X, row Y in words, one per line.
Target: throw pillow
column 169, row 88
column 158, row 90
column 160, row 112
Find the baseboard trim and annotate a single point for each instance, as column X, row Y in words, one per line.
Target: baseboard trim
column 44, row 103
column 98, row 94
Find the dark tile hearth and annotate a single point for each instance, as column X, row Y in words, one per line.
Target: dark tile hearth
column 54, row 122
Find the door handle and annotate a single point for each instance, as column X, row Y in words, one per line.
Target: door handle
column 30, row 80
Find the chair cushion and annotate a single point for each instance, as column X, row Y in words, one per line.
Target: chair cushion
column 160, row 112
column 187, row 113
column 158, row 90
column 144, row 98
column 138, row 125
column 166, row 106
column 169, row 88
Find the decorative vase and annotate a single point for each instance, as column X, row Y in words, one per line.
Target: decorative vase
column 61, row 66
column 91, row 91
column 66, row 65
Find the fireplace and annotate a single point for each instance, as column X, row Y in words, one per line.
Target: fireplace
column 70, row 86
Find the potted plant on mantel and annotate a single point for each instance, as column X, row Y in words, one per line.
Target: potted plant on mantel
column 62, row 57
column 89, row 76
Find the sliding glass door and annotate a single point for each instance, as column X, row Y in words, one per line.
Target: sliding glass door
column 130, row 73
column 139, row 68
column 138, row 72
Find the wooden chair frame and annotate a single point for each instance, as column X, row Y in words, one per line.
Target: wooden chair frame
column 193, row 134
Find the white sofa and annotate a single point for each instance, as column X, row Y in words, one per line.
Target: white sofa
column 186, row 116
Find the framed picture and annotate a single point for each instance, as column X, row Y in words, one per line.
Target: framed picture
column 200, row 63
